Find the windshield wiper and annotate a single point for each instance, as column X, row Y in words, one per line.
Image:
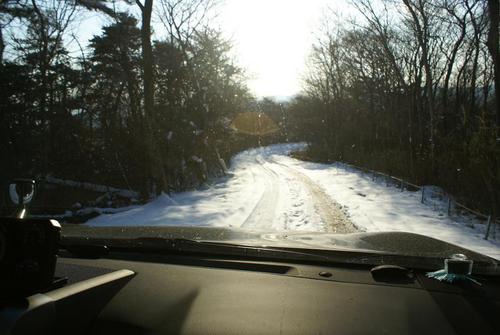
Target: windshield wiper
column 95, row 248
column 92, row 247
column 182, row 245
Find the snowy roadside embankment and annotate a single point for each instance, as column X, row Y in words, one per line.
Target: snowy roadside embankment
column 267, row 190
column 375, row 207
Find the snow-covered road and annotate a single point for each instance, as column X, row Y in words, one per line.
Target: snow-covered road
column 266, row 190
column 290, row 200
column 260, row 193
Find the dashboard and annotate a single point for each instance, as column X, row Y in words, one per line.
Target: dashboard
column 155, row 293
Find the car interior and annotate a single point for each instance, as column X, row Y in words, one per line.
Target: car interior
column 153, row 286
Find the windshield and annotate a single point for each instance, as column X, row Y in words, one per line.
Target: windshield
column 321, row 124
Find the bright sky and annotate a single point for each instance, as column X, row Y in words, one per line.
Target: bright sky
column 272, row 38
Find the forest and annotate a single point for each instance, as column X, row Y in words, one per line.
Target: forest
column 130, row 111
column 409, row 88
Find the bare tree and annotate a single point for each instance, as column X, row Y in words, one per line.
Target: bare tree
column 51, row 19
column 459, row 20
column 421, row 24
column 493, row 48
column 183, row 18
column 381, row 26
column 9, row 11
column 155, row 163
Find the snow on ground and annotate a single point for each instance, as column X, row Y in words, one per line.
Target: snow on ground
column 373, row 206
column 267, row 190
column 257, row 194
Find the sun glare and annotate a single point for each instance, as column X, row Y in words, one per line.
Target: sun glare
column 272, row 39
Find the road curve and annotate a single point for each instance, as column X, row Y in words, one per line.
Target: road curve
column 261, row 193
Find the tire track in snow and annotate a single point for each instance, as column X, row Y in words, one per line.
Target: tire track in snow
column 336, row 221
column 292, row 201
column 264, row 212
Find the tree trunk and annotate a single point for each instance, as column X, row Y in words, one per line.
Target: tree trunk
column 449, row 72
column 43, row 64
column 421, row 33
column 155, row 161
column 493, row 10
column 2, row 46
column 147, row 55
